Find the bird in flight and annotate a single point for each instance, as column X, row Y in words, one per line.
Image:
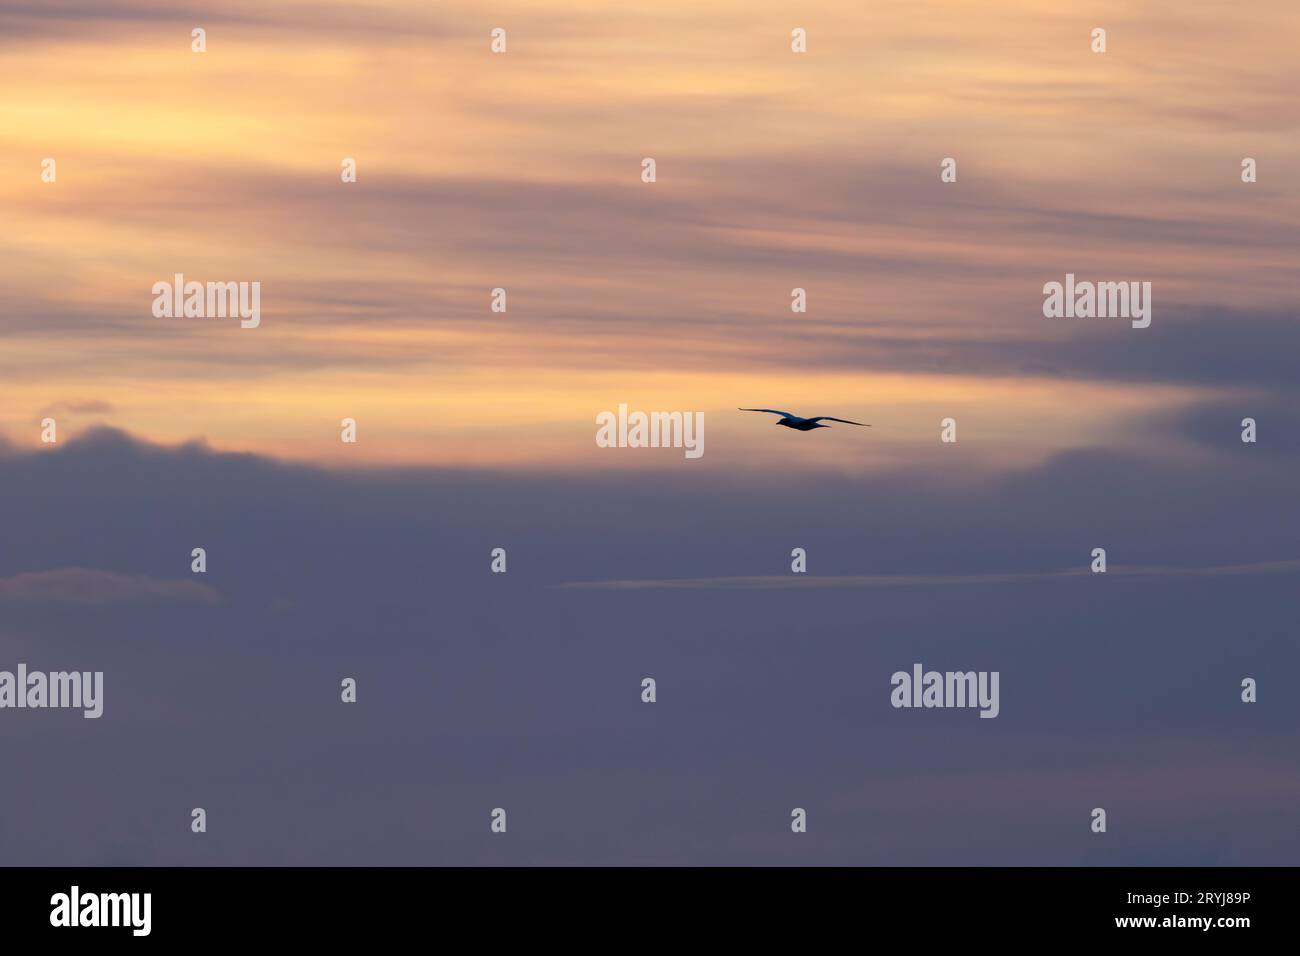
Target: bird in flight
column 790, row 420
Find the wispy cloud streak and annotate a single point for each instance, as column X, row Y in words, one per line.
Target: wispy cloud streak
column 772, row 581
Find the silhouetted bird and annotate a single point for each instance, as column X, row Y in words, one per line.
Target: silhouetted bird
column 802, row 424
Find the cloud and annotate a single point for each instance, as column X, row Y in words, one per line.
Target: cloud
column 524, row 693
column 921, row 580
column 28, row 20
column 558, row 233
column 87, row 586
column 80, row 407
column 1217, row 425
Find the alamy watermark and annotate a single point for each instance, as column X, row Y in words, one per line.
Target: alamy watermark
column 76, row 908
column 215, row 300
column 651, row 430
column 1084, row 300
column 57, row 689
column 947, row 689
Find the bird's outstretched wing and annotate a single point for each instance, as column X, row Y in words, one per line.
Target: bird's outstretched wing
column 771, row 411
column 828, row 418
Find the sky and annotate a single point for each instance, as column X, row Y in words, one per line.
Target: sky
column 475, row 430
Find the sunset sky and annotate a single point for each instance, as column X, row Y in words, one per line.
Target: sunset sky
column 522, row 171
column 476, row 429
